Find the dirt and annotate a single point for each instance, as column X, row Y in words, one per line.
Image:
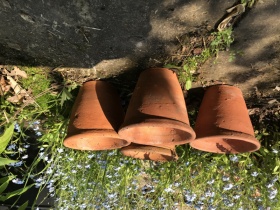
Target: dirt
column 256, row 50
column 116, row 40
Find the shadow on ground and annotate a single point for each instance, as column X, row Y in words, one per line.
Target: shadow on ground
column 256, row 65
column 106, row 36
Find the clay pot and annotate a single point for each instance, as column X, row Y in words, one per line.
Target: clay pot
column 148, row 152
column 157, row 113
column 95, row 118
column 223, row 124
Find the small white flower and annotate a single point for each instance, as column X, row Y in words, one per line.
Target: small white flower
column 236, row 196
column 275, row 179
column 40, row 179
column 90, row 156
column 112, row 195
column 210, row 181
column 209, row 193
column 60, row 150
column 17, row 181
column 21, row 150
column 269, row 185
column 228, row 187
column 225, row 178
column 177, row 184
column 51, row 189
column 38, row 133
column 17, row 164
column 255, row 174
column 74, row 171
column 49, row 171
column 24, row 157
column 11, row 147
column 83, row 206
column 190, row 198
column 275, row 151
column 250, row 165
column 37, row 185
column 26, row 146
column 234, row 158
column 37, row 122
column 168, row 190
column 272, row 194
column 17, row 128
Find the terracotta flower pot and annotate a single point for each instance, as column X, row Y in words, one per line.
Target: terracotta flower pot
column 157, row 113
column 223, row 124
column 95, row 118
column 148, row 152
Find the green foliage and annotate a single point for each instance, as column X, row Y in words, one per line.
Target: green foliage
column 190, row 64
column 248, row 3
column 6, row 137
column 222, row 41
column 6, row 161
column 23, row 206
column 39, row 84
column 65, row 94
column 8, row 195
column 4, row 183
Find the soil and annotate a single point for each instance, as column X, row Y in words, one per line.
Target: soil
column 116, row 40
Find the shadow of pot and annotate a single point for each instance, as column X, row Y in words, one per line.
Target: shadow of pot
column 95, row 118
column 147, row 152
column 223, row 124
column 157, row 113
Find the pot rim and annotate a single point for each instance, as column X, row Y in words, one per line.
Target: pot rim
column 95, row 140
column 148, row 152
column 247, row 140
column 147, row 131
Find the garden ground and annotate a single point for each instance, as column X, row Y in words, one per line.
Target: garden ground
column 76, row 41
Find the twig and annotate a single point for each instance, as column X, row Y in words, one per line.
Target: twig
column 98, row 29
column 7, row 119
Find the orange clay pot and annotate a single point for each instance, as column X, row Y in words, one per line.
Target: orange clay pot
column 95, row 118
column 147, row 152
column 157, row 113
column 223, row 124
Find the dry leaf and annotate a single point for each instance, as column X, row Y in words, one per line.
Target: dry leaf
column 14, row 99
column 277, row 88
column 17, row 72
column 5, row 71
column 272, row 101
column 232, row 12
column 5, row 87
column 17, row 89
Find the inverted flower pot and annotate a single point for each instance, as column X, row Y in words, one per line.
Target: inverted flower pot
column 223, row 124
column 157, row 113
column 96, row 116
column 147, row 152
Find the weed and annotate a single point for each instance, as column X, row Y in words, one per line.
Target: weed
column 187, row 66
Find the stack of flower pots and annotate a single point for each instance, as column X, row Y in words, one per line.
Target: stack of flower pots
column 157, row 120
